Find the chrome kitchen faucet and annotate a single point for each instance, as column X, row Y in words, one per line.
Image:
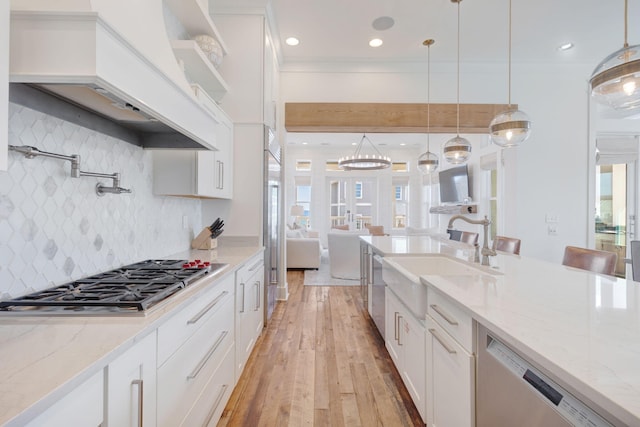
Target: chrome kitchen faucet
column 486, row 252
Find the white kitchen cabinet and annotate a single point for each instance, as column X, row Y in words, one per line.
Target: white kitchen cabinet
column 83, row 406
column 193, row 348
column 249, row 309
column 206, row 174
column 405, row 341
column 131, row 386
column 4, row 84
column 450, row 373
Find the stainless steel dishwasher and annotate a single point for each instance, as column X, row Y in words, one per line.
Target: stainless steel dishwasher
column 510, row 391
column 377, row 293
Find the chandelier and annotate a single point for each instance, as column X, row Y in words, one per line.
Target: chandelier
column 360, row 161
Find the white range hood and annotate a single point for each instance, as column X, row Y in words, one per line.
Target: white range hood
column 114, row 58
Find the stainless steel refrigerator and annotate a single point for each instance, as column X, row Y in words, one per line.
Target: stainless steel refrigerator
column 272, row 223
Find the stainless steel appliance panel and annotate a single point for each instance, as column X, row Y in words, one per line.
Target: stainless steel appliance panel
column 377, row 294
column 272, row 224
column 510, row 391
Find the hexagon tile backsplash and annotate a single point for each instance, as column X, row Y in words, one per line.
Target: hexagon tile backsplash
column 54, row 228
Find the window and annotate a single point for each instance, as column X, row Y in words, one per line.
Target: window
column 303, row 198
column 400, row 201
column 332, row 165
column 400, row 167
column 358, row 190
column 303, row 165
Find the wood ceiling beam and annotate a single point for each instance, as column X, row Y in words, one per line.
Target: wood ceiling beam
column 388, row 117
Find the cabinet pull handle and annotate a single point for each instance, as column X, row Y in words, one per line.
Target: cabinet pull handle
column 256, row 265
column 395, row 326
column 222, row 175
column 257, row 284
column 207, row 356
column 442, row 341
column 139, row 384
column 221, row 393
column 209, row 306
column 242, row 299
column 399, row 330
column 444, row 315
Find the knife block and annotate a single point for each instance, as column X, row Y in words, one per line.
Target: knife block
column 204, row 240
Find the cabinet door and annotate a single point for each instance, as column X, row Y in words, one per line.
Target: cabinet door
column 206, row 173
column 83, row 406
column 224, row 159
column 4, row 84
column 450, row 380
column 131, row 386
column 393, row 319
column 414, row 365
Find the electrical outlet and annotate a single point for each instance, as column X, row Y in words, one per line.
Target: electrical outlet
column 185, row 222
column 551, row 219
column 552, row 230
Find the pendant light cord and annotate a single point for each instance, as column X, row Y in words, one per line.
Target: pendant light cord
column 509, row 91
column 626, row 17
column 428, row 97
column 458, row 79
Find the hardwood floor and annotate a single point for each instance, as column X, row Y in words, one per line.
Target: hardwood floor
column 320, row 362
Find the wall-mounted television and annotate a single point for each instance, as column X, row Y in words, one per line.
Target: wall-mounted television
column 454, row 185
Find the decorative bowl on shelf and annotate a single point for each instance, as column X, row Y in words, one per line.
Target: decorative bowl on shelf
column 211, row 48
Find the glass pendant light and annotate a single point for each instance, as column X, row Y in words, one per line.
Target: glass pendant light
column 512, row 127
column 428, row 161
column 457, row 150
column 616, row 80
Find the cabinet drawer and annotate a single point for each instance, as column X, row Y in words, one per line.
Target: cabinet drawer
column 184, row 375
column 246, row 272
column 452, row 318
column 207, row 409
column 174, row 332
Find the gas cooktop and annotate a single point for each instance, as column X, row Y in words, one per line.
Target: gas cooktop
column 131, row 289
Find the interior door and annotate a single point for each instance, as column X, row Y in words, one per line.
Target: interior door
column 615, row 211
column 353, row 201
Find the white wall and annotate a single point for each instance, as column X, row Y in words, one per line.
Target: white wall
column 547, row 175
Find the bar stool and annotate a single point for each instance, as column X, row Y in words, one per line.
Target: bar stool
column 506, row 244
column 590, row 259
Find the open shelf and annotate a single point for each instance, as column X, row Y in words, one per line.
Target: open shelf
column 195, row 19
column 199, row 69
column 455, row 209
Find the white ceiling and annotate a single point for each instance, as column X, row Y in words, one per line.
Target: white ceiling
column 339, row 30
column 335, row 33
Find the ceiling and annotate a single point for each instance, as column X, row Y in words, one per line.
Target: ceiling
column 334, row 34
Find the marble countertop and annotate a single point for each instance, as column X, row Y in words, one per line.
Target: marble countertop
column 43, row 357
column 582, row 328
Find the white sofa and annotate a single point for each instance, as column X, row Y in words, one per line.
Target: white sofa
column 303, row 252
column 344, row 254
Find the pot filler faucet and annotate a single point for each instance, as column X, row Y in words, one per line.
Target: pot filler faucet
column 31, row 152
column 486, row 251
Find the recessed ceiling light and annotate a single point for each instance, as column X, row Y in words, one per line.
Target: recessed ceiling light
column 292, row 41
column 565, row 46
column 304, row 143
column 382, row 23
column 375, row 43
column 403, row 144
column 354, row 143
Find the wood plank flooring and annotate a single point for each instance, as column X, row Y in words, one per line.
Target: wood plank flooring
column 320, row 362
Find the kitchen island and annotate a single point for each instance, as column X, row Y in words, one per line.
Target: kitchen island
column 579, row 328
column 44, row 358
